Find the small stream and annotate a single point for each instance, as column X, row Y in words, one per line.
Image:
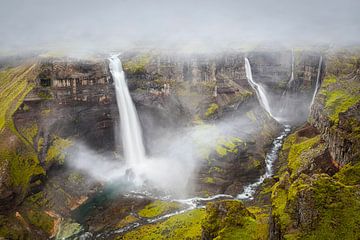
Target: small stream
column 200, row 202
column 135, row 152
column 270, row 159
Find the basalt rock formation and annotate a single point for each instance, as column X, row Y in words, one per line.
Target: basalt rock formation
column 317, row 192
column 58, row 102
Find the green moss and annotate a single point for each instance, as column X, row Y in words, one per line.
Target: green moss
column 230, row 219
column 22, row 166
column 137, row 65
column 182, row 226
column 10, row 228
column 40, row 144
column 29, row 131
column 216, row 169
column 297, row 153
column 26, row 108
column 56, row 149
column 339, row 101
column 45, row 95
column 212, row 109
column 14, row 87
column 126, row 221
column 221, row 150
column 157, row 208
column 40, row 220
column 328, row 81
column 349, row 174
column 228, row 145
column 279, row 201
column 37, row 200
column 338, row 207
column 209, row 180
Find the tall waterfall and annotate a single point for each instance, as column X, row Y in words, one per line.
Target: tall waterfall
column 134, row 151
column 292, row 68
column 284, row 99
column 260, row 91
column 317, row 81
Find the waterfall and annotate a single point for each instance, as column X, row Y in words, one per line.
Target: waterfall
column 284, row 98
column 317, row 81
column 292, row 68
column 259, row 90
column 134, row 151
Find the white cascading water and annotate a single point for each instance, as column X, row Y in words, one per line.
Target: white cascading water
column 283, row 99
column 134, row 151
column 259, row 90
column 271, row 156
column 317, row 82
column 292, row 68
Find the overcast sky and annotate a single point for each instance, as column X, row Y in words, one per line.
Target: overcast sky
column 34, row 24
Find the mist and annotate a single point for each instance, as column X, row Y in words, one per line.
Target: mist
column 172, row 167
column 91, row 25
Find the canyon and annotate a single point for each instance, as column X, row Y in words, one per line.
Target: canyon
column 61, row 146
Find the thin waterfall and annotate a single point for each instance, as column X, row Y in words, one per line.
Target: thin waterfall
column 317, row 81
column 134, row 151
column 283, row 99
column 292, row 68
column 259, row 90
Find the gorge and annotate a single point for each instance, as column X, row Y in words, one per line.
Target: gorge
column 234, row 145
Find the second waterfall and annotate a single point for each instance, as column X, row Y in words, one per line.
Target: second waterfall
column 134, row 151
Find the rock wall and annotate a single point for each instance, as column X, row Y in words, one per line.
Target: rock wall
column 318, row 184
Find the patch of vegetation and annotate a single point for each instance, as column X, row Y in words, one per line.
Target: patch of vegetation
column 349, row 174
column 137, row 65
column 212, row 109
column 10, row 228
column 328, row 81
column 228, row 145
column 339, row 101
column 279, row 202
column 45, row 95
column 157, row 208
column 29, row 131
column 182, row 226
column 56, row 149
column 297, row 153
column 22, row 166
column 209, row 180
column 216, row 169
column 126, row 221
column 14, row 86
column 338, row 207
column 229, row 219
column 41, row 220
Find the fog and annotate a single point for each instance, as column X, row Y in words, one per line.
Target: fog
column 94, row 25
column 171, row 168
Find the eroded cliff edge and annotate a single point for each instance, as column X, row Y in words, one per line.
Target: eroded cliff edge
column 75, row 100
column 317, row 192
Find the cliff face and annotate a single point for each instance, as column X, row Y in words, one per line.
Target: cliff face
column 336, row 111
column 70, row 101
column 318, row 187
